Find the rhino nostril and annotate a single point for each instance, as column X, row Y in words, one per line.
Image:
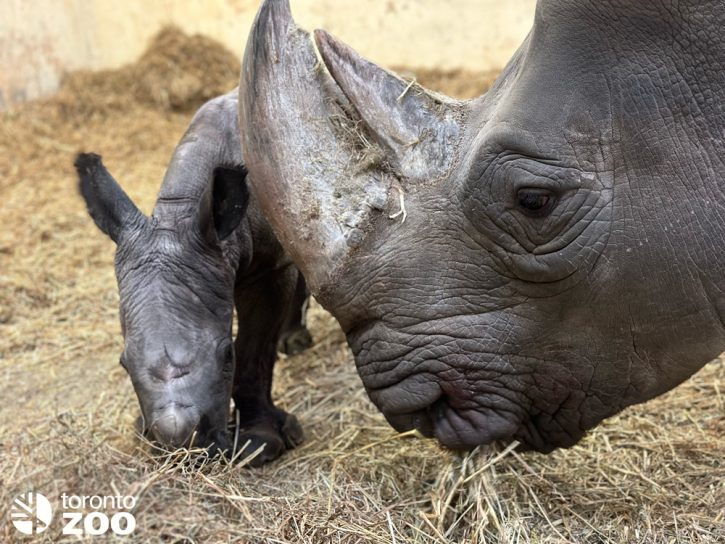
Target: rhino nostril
column 174, row 425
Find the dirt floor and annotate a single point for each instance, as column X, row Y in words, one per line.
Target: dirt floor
column 656, row 473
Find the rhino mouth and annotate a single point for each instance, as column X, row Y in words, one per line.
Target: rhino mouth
column 466, row 429
column 178, row 425
column 458, row 429
column 455, row 429
column 464, row 396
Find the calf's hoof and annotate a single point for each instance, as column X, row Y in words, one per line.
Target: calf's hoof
column 272, row 435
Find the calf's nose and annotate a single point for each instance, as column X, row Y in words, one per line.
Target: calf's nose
column 167, row 372
column 173, row 425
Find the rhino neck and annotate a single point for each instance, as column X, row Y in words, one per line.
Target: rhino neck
column 211, row 140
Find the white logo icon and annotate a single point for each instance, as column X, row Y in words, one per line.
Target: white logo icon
column 31, row 512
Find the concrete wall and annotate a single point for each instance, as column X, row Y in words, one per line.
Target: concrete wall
column 42, row 39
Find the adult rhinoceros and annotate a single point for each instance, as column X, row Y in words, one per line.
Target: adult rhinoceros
column 522, row 265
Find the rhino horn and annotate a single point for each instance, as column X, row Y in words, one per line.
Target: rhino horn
column 416, row 128
column 329, row 152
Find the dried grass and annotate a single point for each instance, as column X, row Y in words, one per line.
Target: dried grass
column 177, row 72
column 653, row 474
column 457, row 82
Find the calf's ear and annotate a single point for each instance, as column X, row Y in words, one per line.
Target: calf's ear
column 224, row 203
column 109, row 206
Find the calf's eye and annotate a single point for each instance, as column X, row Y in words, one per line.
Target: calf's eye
column 535, row 202
column 227, row 355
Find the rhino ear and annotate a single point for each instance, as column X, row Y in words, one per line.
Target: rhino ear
column 415, row 127
column 223, row 204
column 109, row 206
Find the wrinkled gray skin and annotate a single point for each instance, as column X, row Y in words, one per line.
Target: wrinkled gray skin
column 205, row 249
column 562, row 254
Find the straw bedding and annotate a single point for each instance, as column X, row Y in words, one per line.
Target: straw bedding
column 656, row 473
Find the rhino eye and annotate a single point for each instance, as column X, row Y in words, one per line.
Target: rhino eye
column 535, row 202
column 227, row 355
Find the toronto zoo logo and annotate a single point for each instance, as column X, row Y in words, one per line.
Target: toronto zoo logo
column 31, row 513
column 84, row 515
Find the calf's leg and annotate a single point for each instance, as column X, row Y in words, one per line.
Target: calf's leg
column 263, row 309
column 295, row 337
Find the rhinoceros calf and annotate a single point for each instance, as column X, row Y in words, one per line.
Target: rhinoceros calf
column 522, row 265
column 205, row 249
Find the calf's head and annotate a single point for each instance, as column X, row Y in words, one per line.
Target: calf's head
column 522, row 265
column 176, row 283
